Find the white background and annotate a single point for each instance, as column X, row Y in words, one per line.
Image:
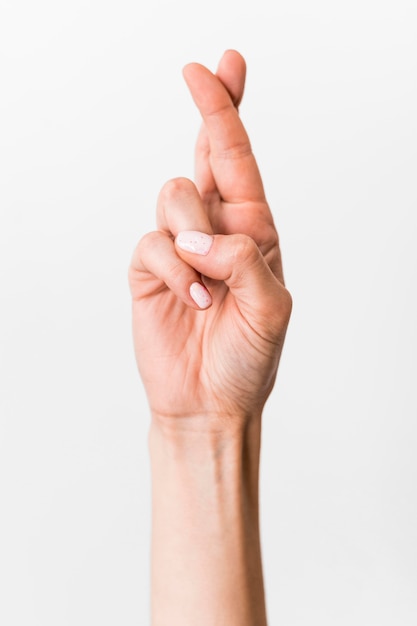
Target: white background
column 94, row 117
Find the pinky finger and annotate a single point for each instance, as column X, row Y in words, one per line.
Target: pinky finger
column 156, row 266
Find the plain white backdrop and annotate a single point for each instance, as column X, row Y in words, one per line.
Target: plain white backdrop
column 94, row 118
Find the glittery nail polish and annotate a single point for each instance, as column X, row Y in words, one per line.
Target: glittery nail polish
column 194, row 241
column 200, row 295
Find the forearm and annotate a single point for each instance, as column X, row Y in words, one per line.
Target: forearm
column 210, row 311
column 206, row 558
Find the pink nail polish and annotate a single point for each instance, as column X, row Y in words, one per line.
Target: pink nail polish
column 200, row 295
column 194, row 241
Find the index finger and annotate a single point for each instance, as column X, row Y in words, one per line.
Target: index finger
column 233, row 164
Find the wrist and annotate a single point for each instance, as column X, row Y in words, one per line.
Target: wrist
column 183, row 438
column 217, row 456
column 205, row 427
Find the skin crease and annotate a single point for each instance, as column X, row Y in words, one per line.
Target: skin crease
column 202, row 366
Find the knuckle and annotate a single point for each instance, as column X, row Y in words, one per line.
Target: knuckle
column 286, row 303
column 148, row 241
column 276, row 314
column 138, row 262
column 174, row 187
column 239, row 150
column 282, row 311
column 245, row 256
column 147, row 245
column 176, row 272
column 245, row 248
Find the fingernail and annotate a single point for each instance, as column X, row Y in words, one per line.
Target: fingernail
column 194, row 241
column 200, row 295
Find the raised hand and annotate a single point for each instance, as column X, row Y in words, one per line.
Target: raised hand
column 210, row 309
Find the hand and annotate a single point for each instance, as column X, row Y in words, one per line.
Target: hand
column 212, row 352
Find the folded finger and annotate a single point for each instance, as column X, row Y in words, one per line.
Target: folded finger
column 237, row 260
column 156, row 266
column 180, row 207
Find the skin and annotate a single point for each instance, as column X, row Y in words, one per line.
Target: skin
column 208, row 372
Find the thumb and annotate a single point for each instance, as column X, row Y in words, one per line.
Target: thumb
column 237, row 260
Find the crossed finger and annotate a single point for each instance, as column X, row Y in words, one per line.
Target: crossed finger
column 232, row 73
column 233, row 165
